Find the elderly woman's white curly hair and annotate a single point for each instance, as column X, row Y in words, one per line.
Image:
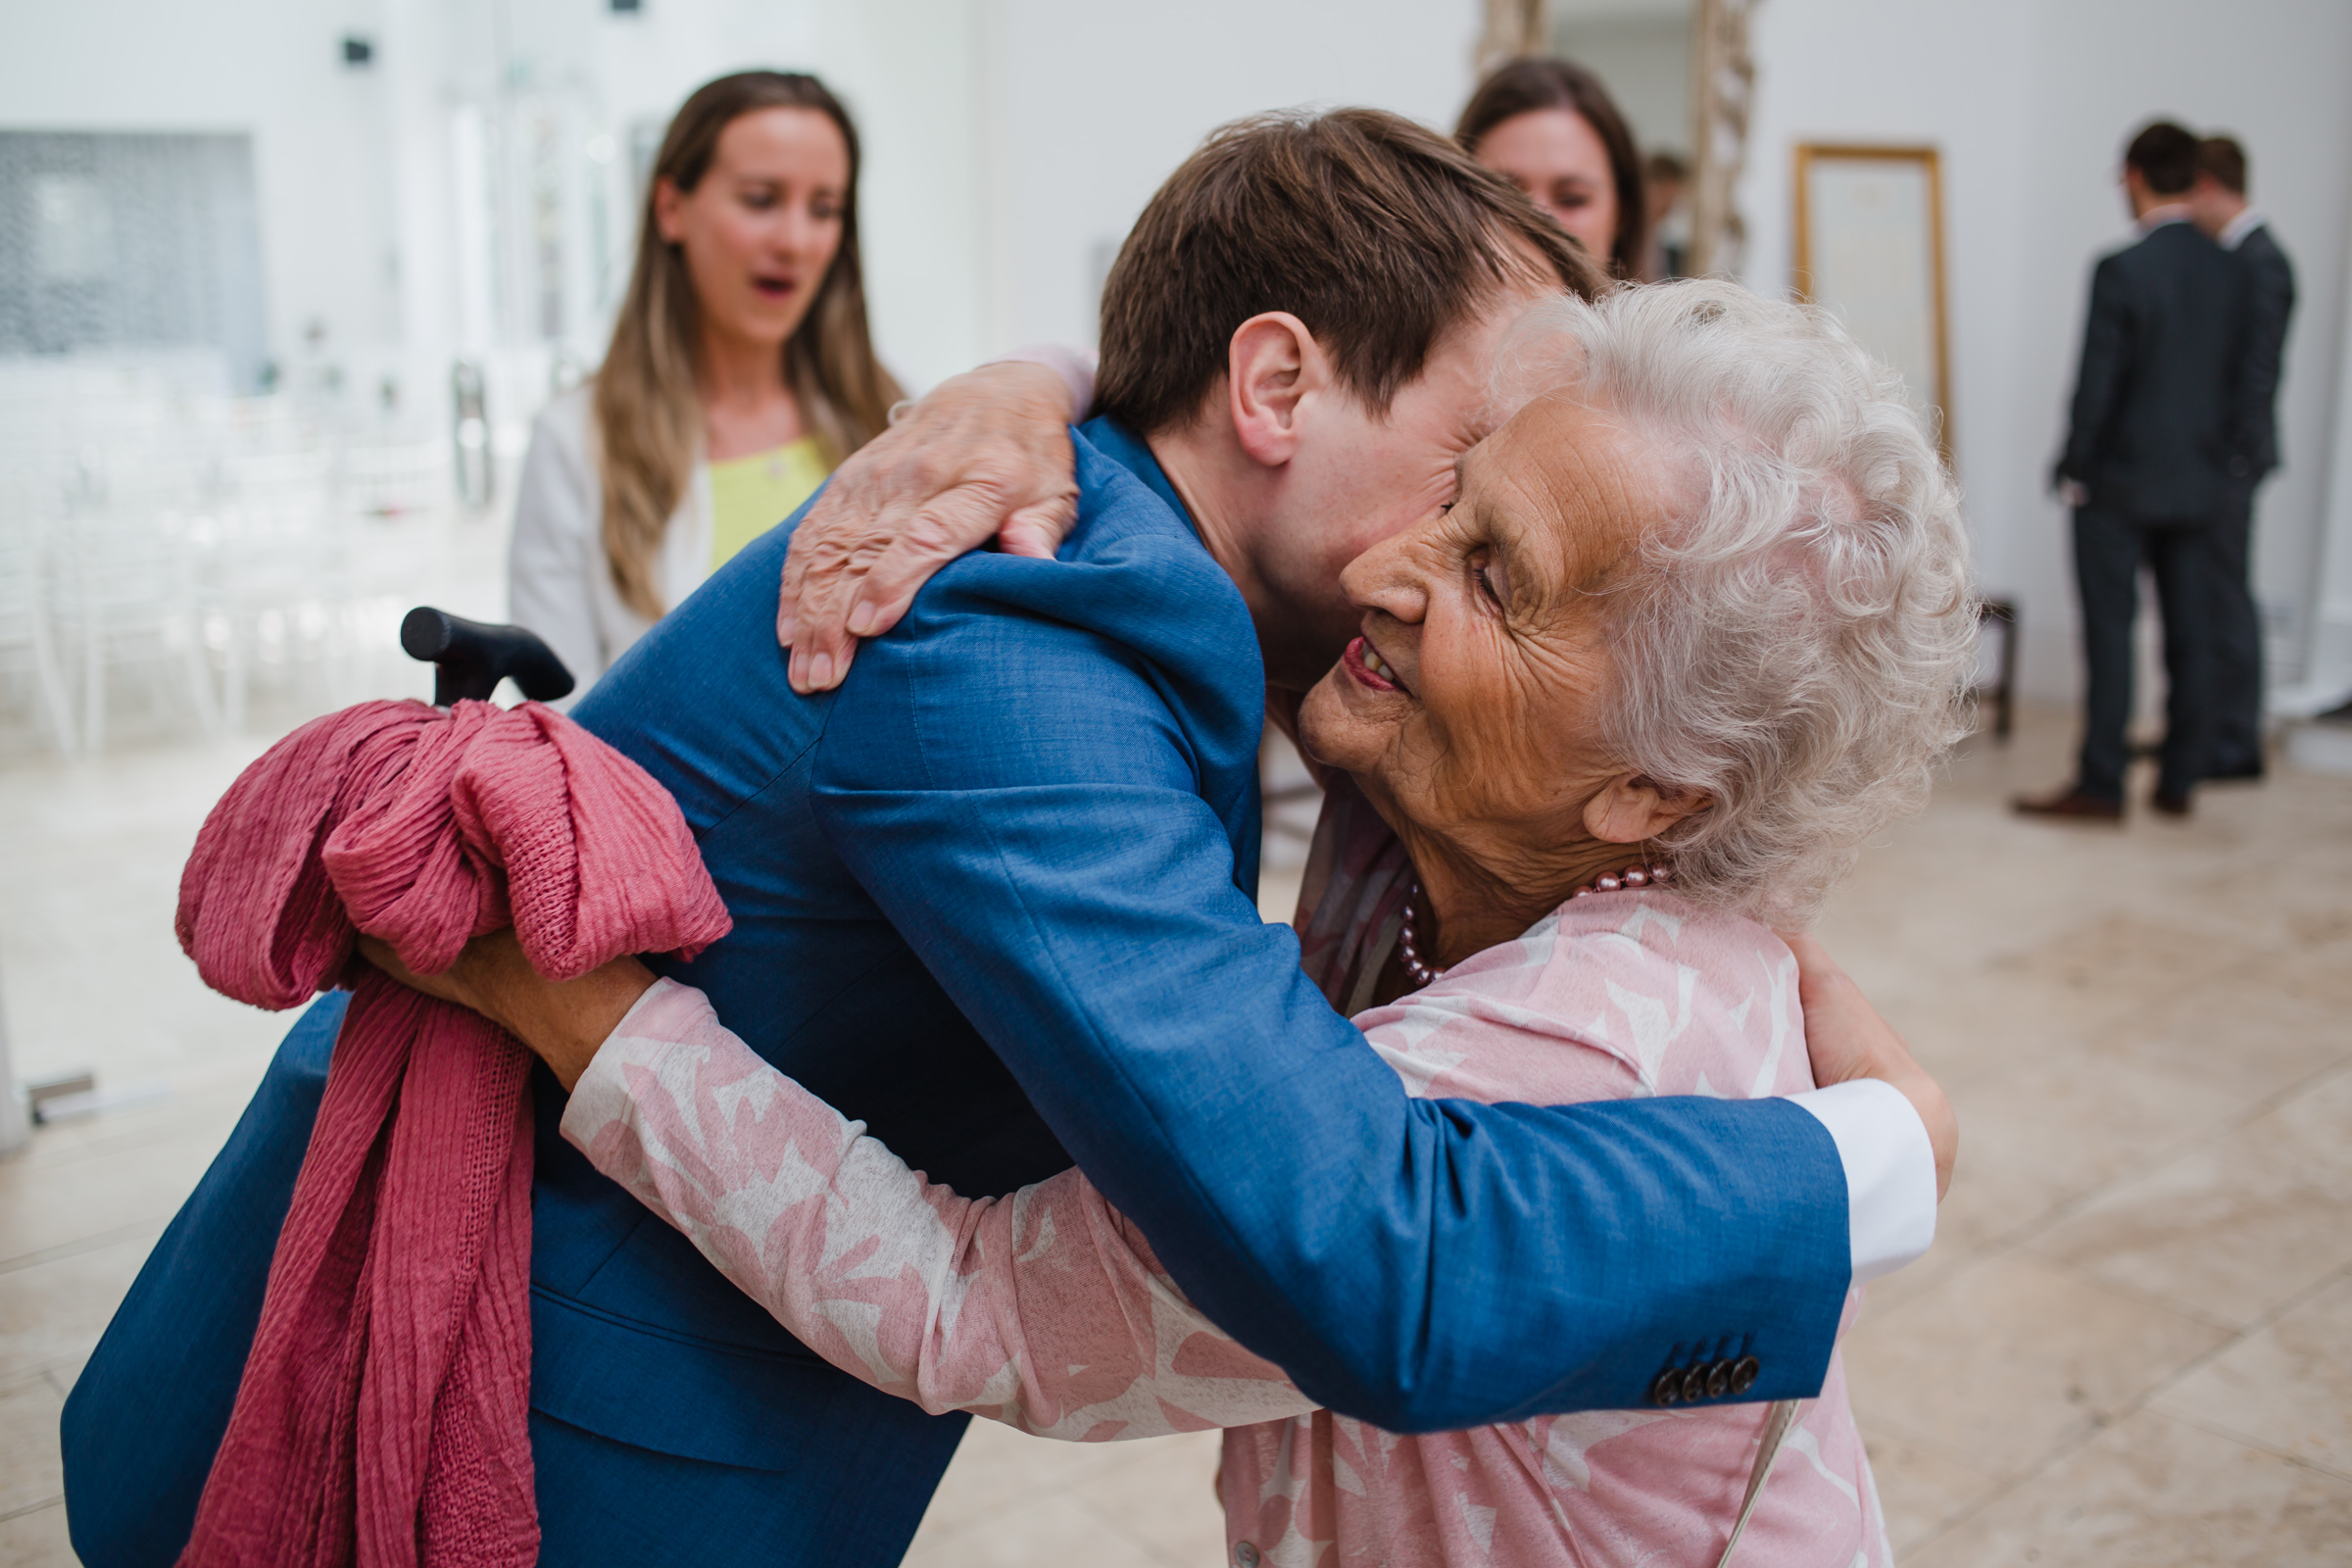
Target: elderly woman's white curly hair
column 1798, row 641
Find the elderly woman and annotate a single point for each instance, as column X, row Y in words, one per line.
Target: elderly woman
column 1696, row 626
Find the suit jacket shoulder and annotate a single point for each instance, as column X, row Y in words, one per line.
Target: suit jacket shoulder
column 2159, row 398
column 1025, row 670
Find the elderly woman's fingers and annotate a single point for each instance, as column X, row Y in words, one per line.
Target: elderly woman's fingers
column 1038, row 531
column 380, row 954
column 563, row 1022
column 986, row 454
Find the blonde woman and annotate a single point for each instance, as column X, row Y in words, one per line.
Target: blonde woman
column 740, row 373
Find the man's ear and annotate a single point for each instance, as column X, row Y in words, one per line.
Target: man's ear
column 1273, row 365
column 1632, row 807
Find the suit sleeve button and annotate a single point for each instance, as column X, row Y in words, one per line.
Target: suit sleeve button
column 1667, row 1387
column 1744, row 1372
column 1719, row 1380
column 1695, row 1382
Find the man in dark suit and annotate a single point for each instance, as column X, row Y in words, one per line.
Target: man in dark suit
column 2147, row 469
column 2218, row 202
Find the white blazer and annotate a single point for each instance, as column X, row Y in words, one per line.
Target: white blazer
column 558, row 583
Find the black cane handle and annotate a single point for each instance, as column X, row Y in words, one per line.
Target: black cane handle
column 470, row 658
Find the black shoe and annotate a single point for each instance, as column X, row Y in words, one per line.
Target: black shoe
column 2240, row 773
column 2173, row 803
column 2070, row 804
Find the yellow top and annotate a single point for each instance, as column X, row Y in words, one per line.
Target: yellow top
column 750, row 495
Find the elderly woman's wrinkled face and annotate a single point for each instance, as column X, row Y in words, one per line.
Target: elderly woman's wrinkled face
column 1471, row 709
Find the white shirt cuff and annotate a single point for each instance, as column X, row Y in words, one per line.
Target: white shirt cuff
column 1890, row 1171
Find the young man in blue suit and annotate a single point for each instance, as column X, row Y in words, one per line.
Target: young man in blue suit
column 995, row 894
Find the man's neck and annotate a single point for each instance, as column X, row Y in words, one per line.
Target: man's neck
column 1230, row 498
column 2157, row 213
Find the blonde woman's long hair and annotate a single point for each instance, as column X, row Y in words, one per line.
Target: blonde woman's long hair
column 647, row 408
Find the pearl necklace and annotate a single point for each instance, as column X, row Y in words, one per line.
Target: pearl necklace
column 1419, row 971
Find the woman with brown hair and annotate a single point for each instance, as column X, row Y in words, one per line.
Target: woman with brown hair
column 740, row 373
column 1552, row 129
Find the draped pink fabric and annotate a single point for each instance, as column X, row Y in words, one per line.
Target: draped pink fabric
column 383, row 1418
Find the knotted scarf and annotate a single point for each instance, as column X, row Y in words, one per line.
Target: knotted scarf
column 384, row 1414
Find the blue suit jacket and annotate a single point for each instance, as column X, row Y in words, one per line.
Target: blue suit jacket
column 995, row 896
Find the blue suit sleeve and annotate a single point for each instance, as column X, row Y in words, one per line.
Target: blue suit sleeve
column 1023, row 799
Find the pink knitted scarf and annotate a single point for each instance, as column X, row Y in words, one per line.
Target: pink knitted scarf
column 385, row 1413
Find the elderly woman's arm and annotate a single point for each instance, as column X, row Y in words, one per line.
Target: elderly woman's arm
column 1045, row 1309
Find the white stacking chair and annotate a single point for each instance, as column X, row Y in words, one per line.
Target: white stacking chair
column 28, row 650
column 277, row 572
column 128, row 598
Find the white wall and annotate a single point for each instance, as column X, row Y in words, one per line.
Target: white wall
column 271, row 68
column 1008, row 143
column 1100, row 103
column 2031, row 102
column 354, row 168
column 1645, row 57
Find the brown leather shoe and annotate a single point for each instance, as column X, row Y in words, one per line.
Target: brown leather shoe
column 2172, row 805
column 2071, row 805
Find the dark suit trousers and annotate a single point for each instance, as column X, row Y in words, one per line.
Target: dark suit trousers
column 2236, row 742
column 2186, row 556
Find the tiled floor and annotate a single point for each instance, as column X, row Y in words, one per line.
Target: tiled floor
column 2133, row 1343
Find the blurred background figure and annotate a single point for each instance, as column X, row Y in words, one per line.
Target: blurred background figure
column 2218, row 202
column 1550, row 127
column 741, row 371
column 2147, row 468
column 1665, row 183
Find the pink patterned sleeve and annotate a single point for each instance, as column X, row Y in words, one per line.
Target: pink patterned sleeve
column 1045, row 1311
column 1075, row 367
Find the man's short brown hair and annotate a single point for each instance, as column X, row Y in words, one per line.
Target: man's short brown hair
column 2166, row 157
column 1379, row 235
column 2221, row 158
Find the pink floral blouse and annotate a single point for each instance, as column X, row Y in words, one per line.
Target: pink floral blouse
column 1047, row 1310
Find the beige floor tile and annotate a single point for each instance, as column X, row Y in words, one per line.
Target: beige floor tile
column 2315, row 1124
column 203, row 1103
column 2247, row 1039
column 1168, row 1498
column 37, row 1539
column 44, row 1207
column 995, row 1467
column 1920, row 1492
column 52, row 1312
column 2154, row 1492
column 1046, row 1531
column 2124, row 958
column 2230, row 1231
column 30, row 1470
column 1157, row 1490
column 2320, row 973
column 63, row 1375
column 2032, row 1141
column 2011, row 1359
column 1949, row 1256
column 2287, row 1387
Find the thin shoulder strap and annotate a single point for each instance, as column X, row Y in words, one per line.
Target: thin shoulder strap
column 1777, row 1419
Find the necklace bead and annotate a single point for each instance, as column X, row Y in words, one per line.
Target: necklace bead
column 1421, row 973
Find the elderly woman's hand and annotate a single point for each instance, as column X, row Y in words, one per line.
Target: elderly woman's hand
column 986, row 455
column 563, row 1022
column 1848, row 1039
